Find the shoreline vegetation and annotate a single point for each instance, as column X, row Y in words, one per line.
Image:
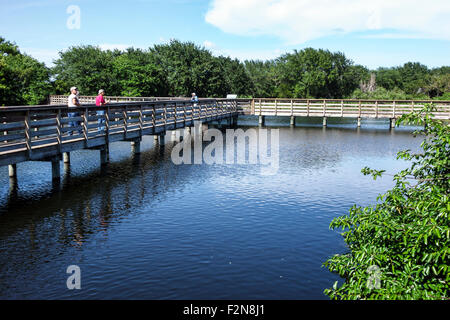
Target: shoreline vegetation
column 180, row 68
column 399, row 248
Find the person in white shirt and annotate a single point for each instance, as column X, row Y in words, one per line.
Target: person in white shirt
column 73, row 102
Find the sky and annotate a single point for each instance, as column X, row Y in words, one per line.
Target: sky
column 375, row 33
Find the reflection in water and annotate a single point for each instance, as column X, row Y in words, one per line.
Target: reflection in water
column 142, row 227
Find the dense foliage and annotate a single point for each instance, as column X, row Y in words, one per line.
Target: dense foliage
column 399, row 248
column 23, row 80
column 180, row 68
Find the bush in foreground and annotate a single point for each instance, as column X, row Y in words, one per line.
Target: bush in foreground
column 399, row 248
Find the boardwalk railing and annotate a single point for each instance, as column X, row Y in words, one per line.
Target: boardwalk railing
column 62, row 99
column 42, row 132
column 342, row 108
column 346, row 108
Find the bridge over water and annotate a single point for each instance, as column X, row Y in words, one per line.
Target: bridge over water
column 41, row 133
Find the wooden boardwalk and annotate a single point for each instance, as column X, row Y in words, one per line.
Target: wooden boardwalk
column 358, row 109
column 42, row 133
column 328, row 108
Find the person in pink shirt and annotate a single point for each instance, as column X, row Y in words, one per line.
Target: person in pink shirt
column 99, row 102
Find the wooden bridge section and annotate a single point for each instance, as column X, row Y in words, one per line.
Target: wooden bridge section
column 358, row 109
column 43, row 133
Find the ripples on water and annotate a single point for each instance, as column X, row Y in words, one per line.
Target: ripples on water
column 144, row 228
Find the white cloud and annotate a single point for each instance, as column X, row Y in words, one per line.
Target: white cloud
column 297, row 21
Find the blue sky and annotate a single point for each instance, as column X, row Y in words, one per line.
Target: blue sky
column 376, row 33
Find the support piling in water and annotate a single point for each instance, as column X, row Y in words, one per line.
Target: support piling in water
column 136, row 146
column 324, row 121
column 56, row 172
column 292, row 121
column 392, row 123
column 104, row 155
column 262, row 121
column 12, row 168
column 359, row 122
column 66, row 157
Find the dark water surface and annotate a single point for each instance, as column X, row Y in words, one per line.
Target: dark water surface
column 144, row 228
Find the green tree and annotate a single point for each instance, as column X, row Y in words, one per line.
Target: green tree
column 380, row 93
column 388, row 78
column 312, row 73
column 414, row 77
column 405, row 237
column 438, row 85
column 23, row 80
column 87, row 67
column 190, row 68
column 237, row 77
column 263, row 78
column 138, row 75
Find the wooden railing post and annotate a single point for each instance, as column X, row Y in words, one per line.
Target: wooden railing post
column 107, row 125
column 141, row 121
column 28, row 134
column 59, row 130
column 86, row 125
column 165, row 116
column 154, row 118
column 376, row 109
column 175, row 115
column 125, row 121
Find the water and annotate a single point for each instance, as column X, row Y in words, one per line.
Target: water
column 144, row 228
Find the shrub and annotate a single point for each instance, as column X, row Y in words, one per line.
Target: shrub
column 399, row 248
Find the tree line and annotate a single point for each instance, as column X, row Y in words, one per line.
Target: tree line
column 179, row 68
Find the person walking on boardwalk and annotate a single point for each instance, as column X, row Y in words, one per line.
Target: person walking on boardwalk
column 194, row 99
column 100, row 101
column 73, row 102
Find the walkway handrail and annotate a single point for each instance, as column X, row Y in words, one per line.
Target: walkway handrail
column 354, row 108
column 33, row 132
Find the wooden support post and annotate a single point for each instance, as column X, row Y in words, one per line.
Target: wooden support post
column 392, row 123
column 235, row 120
column 162, row 138
column 104, row 155
column 28, row 139
column 262, row 120
column 66, row 157
column 292, row 121
column 12, row 168
column 324, row 121
column 56, row 172
column 136, row 146
column 359, row 122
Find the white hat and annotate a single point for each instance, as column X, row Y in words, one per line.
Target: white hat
column 100, row 91
column 73, row 88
